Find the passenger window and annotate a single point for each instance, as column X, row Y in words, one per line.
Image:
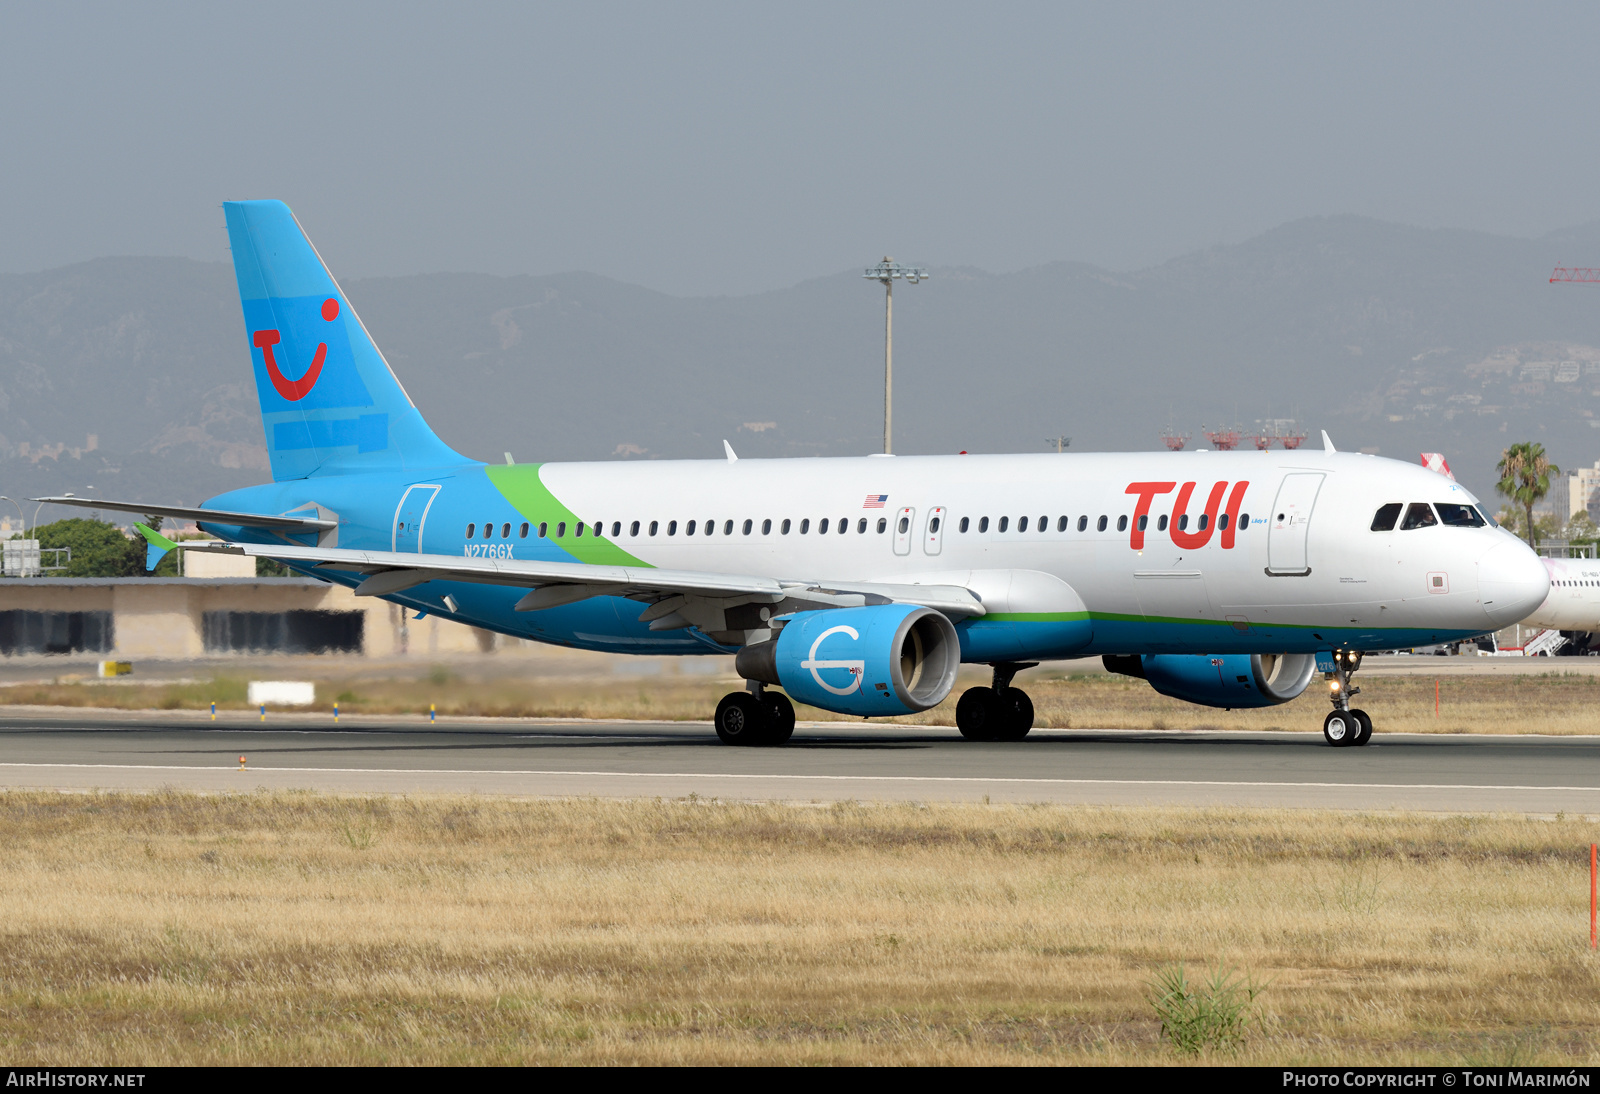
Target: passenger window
column 1222, row 522
column 688, row 529
column 1458, row 516
column 523, row 534
column 616, row 529
column 1101, row 526
column 805, row 525
column 747, row 526
column 727, row 527
column 1383, row 520
column 933, row 525
column 471, row 528
column 822, row 526
column 1183, row 523
column 561, row 529
column 505, row 530
column 633, row 529
column 1005, row 522
column 1122, row 523
column 544, row 528
column 1083, row 524
column 1205, row 519
column 578, row 530
column 1161, row 523
column 1044, row 524
column 983, row 524
column 844, row 525
column 1143, row 522
column 903, row 527
column 1022, row 524
column 861, row 526
column 1061, row 525
column 766, row 527
column 672, row 527
column 1244, row 522
column 654, row 527
column 1419, row 514
column 711, row 526
column 784, row 527
column 965, row 521
column 488, row 531
column 599, row 526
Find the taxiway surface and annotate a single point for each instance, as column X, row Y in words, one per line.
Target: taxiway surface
column 84, row 750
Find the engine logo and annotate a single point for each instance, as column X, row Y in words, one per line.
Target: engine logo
column 855, row 668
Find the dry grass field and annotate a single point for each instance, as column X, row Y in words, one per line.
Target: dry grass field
column 298, row 928
column 1556, row 702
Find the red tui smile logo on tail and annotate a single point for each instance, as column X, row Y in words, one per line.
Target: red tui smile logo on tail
column 295, row 390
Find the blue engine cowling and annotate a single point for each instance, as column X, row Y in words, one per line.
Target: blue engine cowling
column 885, row 659
column 1222, row 680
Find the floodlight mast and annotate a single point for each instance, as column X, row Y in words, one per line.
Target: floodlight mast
column 887, row 272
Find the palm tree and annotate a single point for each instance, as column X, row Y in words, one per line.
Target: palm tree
column 1525, row 478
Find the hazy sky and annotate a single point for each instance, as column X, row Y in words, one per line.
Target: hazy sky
column 702, row 148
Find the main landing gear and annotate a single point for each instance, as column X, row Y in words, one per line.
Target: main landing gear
column 755, row 717
column 1345, row 727
column 997, row 713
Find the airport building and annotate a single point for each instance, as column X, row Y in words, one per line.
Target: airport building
column 219, row 607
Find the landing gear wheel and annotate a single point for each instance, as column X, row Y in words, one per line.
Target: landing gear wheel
column 980, row 716
column 780, row 718
column 1341, row 728
column 1365, row 733
column 742, row 719
column 1018, row 714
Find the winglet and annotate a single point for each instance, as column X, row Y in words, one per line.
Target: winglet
column 1327, row 442
column 729, row 449
column 156, row 546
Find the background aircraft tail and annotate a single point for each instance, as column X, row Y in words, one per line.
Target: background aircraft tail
column 329, row 401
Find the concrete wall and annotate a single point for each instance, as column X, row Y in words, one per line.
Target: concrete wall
column 162, row 617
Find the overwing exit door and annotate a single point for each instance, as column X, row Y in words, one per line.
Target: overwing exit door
column 1289, row 524
column 410, row 516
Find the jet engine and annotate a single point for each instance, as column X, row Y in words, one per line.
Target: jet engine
column 1222, row 680
column 884, row 659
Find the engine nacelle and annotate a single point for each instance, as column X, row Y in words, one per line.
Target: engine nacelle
column 1222, row 680
column 885, row 659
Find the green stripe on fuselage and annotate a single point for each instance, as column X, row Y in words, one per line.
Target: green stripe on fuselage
column 523, row 487
column 1034, row 617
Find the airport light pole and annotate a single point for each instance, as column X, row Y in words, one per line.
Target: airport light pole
column 888, row 271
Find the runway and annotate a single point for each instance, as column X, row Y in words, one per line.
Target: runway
column 84, row 750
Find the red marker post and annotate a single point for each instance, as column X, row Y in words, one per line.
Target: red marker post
column 1594, row 890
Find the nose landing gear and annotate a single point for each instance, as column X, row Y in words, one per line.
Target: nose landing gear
column 997, row 713
column 1345, row 727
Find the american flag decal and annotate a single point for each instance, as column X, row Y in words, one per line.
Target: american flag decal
column 875, row 501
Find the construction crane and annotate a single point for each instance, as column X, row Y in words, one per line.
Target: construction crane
column 1576, row 273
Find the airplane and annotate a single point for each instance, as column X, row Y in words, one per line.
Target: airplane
column 858, row 585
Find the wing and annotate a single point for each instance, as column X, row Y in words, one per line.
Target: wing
column 719, row 604
column 214, row 516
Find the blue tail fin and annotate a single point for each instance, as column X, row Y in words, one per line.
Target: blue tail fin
column 329, row 402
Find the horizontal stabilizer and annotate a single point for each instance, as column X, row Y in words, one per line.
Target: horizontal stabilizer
column 210, row 516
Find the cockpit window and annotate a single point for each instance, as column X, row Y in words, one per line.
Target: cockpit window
column 1383, row 520
column 1419, row 514
column 1486, row 515
column 1459, row 516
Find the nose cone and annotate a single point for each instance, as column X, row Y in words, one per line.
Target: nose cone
column 1512, row 582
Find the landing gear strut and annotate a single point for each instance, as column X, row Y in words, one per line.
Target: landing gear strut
column 1344, row 726
column 999, row 712
column 755, row 717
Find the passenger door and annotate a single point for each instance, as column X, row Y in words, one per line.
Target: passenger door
column 1289, row 524
column 410, row 516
